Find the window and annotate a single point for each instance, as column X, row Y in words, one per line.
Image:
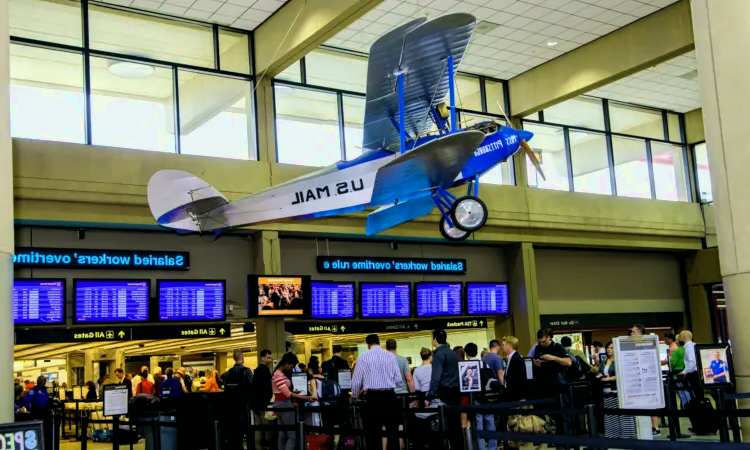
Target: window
column 151, row 37
column 495, row 94
column 234, row 52
column 631, row 167
column 336, row 70
column 635, row 121
column 702, row 173
column 468, row 93
column 354, row 118
column 669, row 171
column 46, row 94
column 57, row 21
column 548, row 144
column 534, row 116
column 307, row 131
column 580, row 112
column 219, row 124
column 588, row 154
column 131, row 105
column 291, row 73
column 675, row 131
column 501, row 173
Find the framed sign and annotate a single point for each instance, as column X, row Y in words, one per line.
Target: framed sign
column 22, row 435
column 115, row 400
column 715, row 365
column 468, row 376
column 639, row 384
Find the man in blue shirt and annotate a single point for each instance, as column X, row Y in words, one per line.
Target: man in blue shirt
column 37, row 398
column 171, row 388
column 719, row 369
column 494, row 360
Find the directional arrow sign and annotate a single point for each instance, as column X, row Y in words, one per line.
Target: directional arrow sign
column 343, row 328
column 221, row 331
column 481, row 323
column 121, row 334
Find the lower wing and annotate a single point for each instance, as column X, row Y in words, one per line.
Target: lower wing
column 392, row 215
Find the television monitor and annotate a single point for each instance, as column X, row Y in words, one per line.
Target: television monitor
column 110, row 300
column 487, row 298
column 38, row 301
column 439, row 299
column 191, row 300
column 282, row 295
column 332, row 300
column 385, row 300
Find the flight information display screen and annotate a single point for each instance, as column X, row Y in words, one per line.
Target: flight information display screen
column 109, row 301
column 331, row 300
column 487, row 298
column 385, row 299
column 191, row 300
column 439, row 299
column 37, row 302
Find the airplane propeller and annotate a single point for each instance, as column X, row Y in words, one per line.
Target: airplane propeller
column 526, row 147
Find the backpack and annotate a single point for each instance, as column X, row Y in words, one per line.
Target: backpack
column 490, row 384
column 330, row 389
column 577, row 369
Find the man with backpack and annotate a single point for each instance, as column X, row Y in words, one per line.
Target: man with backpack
column 485, row 422
column 332, row 366
column 578, row 367
column 238, row 385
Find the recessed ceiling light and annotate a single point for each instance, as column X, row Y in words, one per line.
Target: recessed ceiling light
column 125, row 69
column 552, row 43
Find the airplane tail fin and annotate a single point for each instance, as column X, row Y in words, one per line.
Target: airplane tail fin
column 182, row 201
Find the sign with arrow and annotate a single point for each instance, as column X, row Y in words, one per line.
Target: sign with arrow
column 214, row 330
column 71, row 335
column 368, row 326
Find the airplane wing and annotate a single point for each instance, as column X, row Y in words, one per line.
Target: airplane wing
column 434, row 164
column 421, row 49
column 392, row 215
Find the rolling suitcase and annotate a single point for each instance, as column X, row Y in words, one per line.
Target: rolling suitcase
column 702, row 416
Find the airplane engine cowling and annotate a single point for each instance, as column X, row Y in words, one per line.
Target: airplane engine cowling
column 178, row 199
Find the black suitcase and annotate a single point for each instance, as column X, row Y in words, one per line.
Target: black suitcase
column 702, row 416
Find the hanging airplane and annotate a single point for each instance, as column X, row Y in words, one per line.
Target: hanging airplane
column 413, row 151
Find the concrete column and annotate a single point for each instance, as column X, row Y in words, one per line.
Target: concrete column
column 6, row 225
column 269, row 331
column 721, row 34
column 524, row 300
column 220, row 361
column 702, row 270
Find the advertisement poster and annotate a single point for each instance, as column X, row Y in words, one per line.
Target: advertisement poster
column 639, row 384
column 575, row 338
column 715, row 365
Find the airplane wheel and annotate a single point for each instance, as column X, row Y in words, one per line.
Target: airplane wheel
column 452, row 234
column 469, row 213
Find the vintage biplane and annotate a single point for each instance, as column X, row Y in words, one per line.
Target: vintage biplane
column 413, row 151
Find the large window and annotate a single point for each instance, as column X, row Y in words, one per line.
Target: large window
column 702, row 173
column 548, row 144
column 336, row 70
column 143, row 82
column 614, row 148
column 354, row 118
column 307, row 131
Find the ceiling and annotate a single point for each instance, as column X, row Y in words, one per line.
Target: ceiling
column 243, row 14
column 672, row 85
column 511, row 35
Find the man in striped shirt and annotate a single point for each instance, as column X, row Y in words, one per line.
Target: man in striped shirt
column 376, row 375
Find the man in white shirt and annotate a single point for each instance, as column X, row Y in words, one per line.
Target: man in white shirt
column 690, row 373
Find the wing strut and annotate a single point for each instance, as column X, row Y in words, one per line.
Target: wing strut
column 452, row 90
column 401, row 113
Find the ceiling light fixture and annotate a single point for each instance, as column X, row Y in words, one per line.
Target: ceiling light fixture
column 126, row 69
column 552, row 43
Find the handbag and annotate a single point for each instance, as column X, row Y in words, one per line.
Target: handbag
column 525, row 424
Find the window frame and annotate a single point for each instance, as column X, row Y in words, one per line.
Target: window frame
column 694, row 164
column 87, row 52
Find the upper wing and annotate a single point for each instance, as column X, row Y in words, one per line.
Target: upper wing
column 434, row 164
column 421, row 50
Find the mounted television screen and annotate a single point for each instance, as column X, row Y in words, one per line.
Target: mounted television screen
column 486, row 298
column 439, row 299
column 191, row 300
column 38, row 301
column 111, row 301
column 278, row 295
column 385, row 300
column 331, row 300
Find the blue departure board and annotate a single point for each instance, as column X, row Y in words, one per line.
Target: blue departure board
column 110, row 301
column 438, row 299
column 191, row 300
column 385, row 299
column 487, row 298
column 37, row 302
column 331, row 300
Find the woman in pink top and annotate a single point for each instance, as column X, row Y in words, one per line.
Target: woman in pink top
column 283, row 395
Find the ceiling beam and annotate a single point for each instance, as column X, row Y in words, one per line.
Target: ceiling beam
column 299, row 27
column 647, row 42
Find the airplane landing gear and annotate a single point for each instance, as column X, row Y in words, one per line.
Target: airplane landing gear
column 468, row 213
column 452, row 234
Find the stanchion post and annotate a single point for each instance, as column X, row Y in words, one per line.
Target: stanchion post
column 468, row 439
column 404, row 418
column 477, row 418
column 443, row 422
column 564, row 419
column 592, row 421
column 671, row 407
column 115, row 432
column 721, row 409
column 157, row 434
column 217, row 435
column 55, row 432
column 301, row 436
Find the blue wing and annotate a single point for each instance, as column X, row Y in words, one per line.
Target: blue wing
column 390, row 216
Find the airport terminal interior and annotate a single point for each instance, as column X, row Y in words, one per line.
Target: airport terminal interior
column 186, row 183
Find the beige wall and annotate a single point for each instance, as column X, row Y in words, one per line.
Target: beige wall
column 591, row 282
column 228, row 258
column 483, row 263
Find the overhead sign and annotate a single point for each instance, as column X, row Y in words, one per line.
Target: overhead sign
column 216, row 330
column 391, row 326
column 667, row 319
column 32, row 257
column 423, row 266
column 21, row 436
column 248, row 327
column 76, row 334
